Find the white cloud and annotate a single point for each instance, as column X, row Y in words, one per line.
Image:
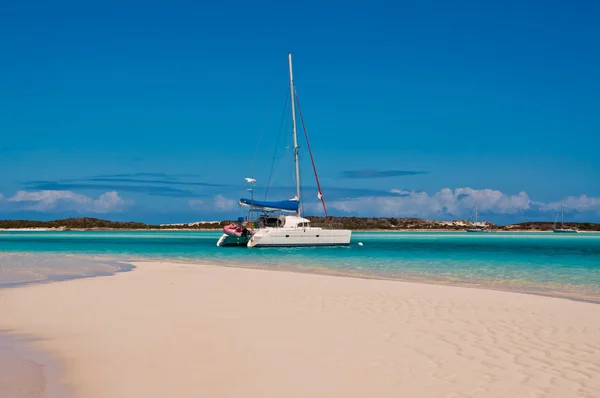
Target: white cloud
column 224, row 204
column 455, row 203
column 219, row 203
column 581, row 204
column 50, row 200
column 197, row 204
column 109, row 202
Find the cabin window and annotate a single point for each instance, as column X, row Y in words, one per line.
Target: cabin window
column 287, row 236
column 271, row 222
column 317, row 236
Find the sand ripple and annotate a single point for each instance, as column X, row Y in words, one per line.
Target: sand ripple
column 187, row 330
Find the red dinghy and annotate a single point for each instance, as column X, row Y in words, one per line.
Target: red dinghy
column 236, row 230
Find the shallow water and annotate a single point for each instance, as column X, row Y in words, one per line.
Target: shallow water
column 18, row 268
column 541, row 262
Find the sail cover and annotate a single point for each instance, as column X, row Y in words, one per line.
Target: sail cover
column 283, row 205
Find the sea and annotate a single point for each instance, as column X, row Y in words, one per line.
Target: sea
column 540, row 263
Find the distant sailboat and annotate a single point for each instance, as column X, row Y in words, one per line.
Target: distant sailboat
column 477, row 228
column 562, row 229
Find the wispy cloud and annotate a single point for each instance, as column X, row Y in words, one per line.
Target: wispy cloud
column 136, row 176
column 197, row 204
column 137, row 188
column 141, row 177
column 157, row 175
column 224, row 204
column 369, row 173
column 329, row 192
column 156, row 184
column 219, row 203
column 146, row 181
column 63, row 201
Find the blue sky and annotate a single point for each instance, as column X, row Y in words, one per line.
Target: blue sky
column 153, row 111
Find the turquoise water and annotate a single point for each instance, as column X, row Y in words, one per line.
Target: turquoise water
column 517, row 261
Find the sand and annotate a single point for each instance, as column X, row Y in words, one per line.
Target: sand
column 185, row 330
column 19, row 376
column 25, row 373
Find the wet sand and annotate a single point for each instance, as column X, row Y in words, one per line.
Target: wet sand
column 169, row 329
column 27, row 373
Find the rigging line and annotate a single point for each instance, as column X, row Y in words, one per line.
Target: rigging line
column 311, row 157
column 274, row 95
column 277, row 168
column 276, row 146
column 471, row 214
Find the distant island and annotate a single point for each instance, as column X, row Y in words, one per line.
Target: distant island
column 353, row 223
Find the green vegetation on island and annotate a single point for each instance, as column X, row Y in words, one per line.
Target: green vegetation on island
column 399, row 224
column 354, row 223
column 98, row 224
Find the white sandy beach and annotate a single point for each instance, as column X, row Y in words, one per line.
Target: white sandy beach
column 185, row 330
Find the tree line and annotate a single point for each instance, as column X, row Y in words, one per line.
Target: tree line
column 354, row 223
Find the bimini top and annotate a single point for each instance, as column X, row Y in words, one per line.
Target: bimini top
column 283, row 205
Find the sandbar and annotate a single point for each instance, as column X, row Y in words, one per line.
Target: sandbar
column 195, row 330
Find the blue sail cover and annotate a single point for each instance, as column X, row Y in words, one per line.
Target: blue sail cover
column 285, row 205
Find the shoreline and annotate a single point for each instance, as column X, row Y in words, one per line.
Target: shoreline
column 207, row 325
column 123, row 263
column 506, row 286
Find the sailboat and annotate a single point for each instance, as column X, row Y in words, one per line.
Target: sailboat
column 477, row 228
column 562, row 229
column 288, row 228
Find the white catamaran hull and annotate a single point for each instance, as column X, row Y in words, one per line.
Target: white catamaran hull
column 232, row 240
column 282, row 237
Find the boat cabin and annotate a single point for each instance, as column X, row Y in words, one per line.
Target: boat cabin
column 282, row 221
column 270, row 221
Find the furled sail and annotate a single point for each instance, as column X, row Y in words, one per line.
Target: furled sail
column 283, row 205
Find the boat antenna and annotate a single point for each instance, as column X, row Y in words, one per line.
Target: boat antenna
column 252, row 183
column 296, row 163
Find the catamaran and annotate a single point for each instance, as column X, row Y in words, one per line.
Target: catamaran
column 562, row 229
column 281, row 223
column 477, row 228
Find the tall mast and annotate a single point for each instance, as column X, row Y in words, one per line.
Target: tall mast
column 293, row 102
